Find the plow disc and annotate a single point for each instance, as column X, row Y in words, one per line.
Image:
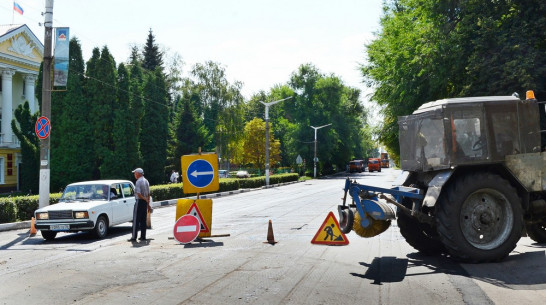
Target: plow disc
column 376, row 227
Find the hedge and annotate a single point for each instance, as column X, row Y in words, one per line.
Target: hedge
column 21, row 208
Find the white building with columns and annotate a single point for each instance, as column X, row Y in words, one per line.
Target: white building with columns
column 21, row 54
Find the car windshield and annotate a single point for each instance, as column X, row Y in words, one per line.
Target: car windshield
column 84, row 192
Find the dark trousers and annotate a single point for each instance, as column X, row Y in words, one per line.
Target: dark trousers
column 139, row 218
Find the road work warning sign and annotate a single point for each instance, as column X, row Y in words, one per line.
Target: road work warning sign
column 330, row 233
column 200, row 209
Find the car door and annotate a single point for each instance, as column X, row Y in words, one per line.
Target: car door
column 118, row 204
column 129, row 200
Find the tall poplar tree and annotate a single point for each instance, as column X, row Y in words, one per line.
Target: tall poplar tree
column 136, row 109
column 71, row 156
column 154, row 132
column 102, row 97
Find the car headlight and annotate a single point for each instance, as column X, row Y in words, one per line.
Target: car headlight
column 42, row 216
column 79, row 215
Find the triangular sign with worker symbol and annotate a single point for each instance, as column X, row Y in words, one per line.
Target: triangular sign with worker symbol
column 194, row 210
column 330, row 233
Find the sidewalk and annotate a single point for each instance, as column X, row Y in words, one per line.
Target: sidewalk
column 155, row 204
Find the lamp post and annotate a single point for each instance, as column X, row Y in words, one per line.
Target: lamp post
column 315, row 158
column 267, row 136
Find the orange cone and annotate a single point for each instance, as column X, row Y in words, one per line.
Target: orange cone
column 32, row 227
column 270, row 237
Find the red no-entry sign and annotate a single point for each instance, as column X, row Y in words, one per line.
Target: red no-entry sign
column 186, row 229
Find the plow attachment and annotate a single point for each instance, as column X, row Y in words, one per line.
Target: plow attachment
column 368, row 216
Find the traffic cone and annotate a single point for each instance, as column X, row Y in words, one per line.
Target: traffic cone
column 270, row 237
column 32, row 227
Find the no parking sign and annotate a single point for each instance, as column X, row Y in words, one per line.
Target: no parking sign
column 42, row 127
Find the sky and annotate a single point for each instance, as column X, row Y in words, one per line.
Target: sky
column 260, row 42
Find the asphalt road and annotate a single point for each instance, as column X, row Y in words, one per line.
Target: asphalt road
column 242, row 269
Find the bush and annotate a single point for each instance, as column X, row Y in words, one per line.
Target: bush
column 7, row 210
column 166, row 191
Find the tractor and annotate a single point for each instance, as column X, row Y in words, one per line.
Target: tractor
column 473, row 180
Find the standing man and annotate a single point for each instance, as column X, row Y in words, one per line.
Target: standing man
column 142, row 205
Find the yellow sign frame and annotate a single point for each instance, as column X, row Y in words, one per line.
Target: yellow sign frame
column 188, row 187
column 201, row 209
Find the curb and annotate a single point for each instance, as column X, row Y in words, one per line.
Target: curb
column 156, row 204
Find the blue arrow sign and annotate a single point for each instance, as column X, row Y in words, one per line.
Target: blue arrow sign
column 200, row 173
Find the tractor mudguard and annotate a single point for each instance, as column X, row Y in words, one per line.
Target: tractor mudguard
column 435, row 187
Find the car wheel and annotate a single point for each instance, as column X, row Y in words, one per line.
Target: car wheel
column 479, row 218
column 101, row 227
column 48, row 235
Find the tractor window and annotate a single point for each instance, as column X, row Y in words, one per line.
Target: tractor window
column 469, row 140
column 422, row 142
column 505, row 132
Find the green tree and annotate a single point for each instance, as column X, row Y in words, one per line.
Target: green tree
column 72, row 156
column 23, row 127
column 153, row 58
column 254, row 145
column 429, row 50
column 102, row 96
column 220, row 104
column 155, row 132
column 117, row 165
column 189, row 133
column 136, row 109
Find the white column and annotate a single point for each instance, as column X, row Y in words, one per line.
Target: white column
column 30, row 80
column 7, row 105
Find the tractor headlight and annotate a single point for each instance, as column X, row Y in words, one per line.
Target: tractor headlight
column 80, row 215
column 42, row 216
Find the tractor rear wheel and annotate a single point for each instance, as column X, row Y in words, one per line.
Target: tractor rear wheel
column 421, row 236
column 479, row 218
column 537, row 231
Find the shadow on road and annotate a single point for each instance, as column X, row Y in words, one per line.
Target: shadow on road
column 520, row 271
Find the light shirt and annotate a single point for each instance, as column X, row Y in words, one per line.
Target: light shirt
column 142, row 187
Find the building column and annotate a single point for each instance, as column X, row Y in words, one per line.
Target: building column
column 30, row 81
column 7, row 105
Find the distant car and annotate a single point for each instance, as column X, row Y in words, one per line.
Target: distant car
column 356, row 166
column 374, row 164
column 88, row 206
column 222, row 173
column 242, row 174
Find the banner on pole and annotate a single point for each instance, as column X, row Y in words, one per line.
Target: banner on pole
column 62, row 43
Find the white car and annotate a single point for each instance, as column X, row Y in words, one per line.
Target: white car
column 88, row 206
column 242, row 174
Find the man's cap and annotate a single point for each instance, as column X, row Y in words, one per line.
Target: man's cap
column 139, row 170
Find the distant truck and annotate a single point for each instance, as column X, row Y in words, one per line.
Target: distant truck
column 374, row 164
column 356, row 166
column 385, row 160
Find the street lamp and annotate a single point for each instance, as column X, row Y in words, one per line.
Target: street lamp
column 267, row 136
column 315, row 158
